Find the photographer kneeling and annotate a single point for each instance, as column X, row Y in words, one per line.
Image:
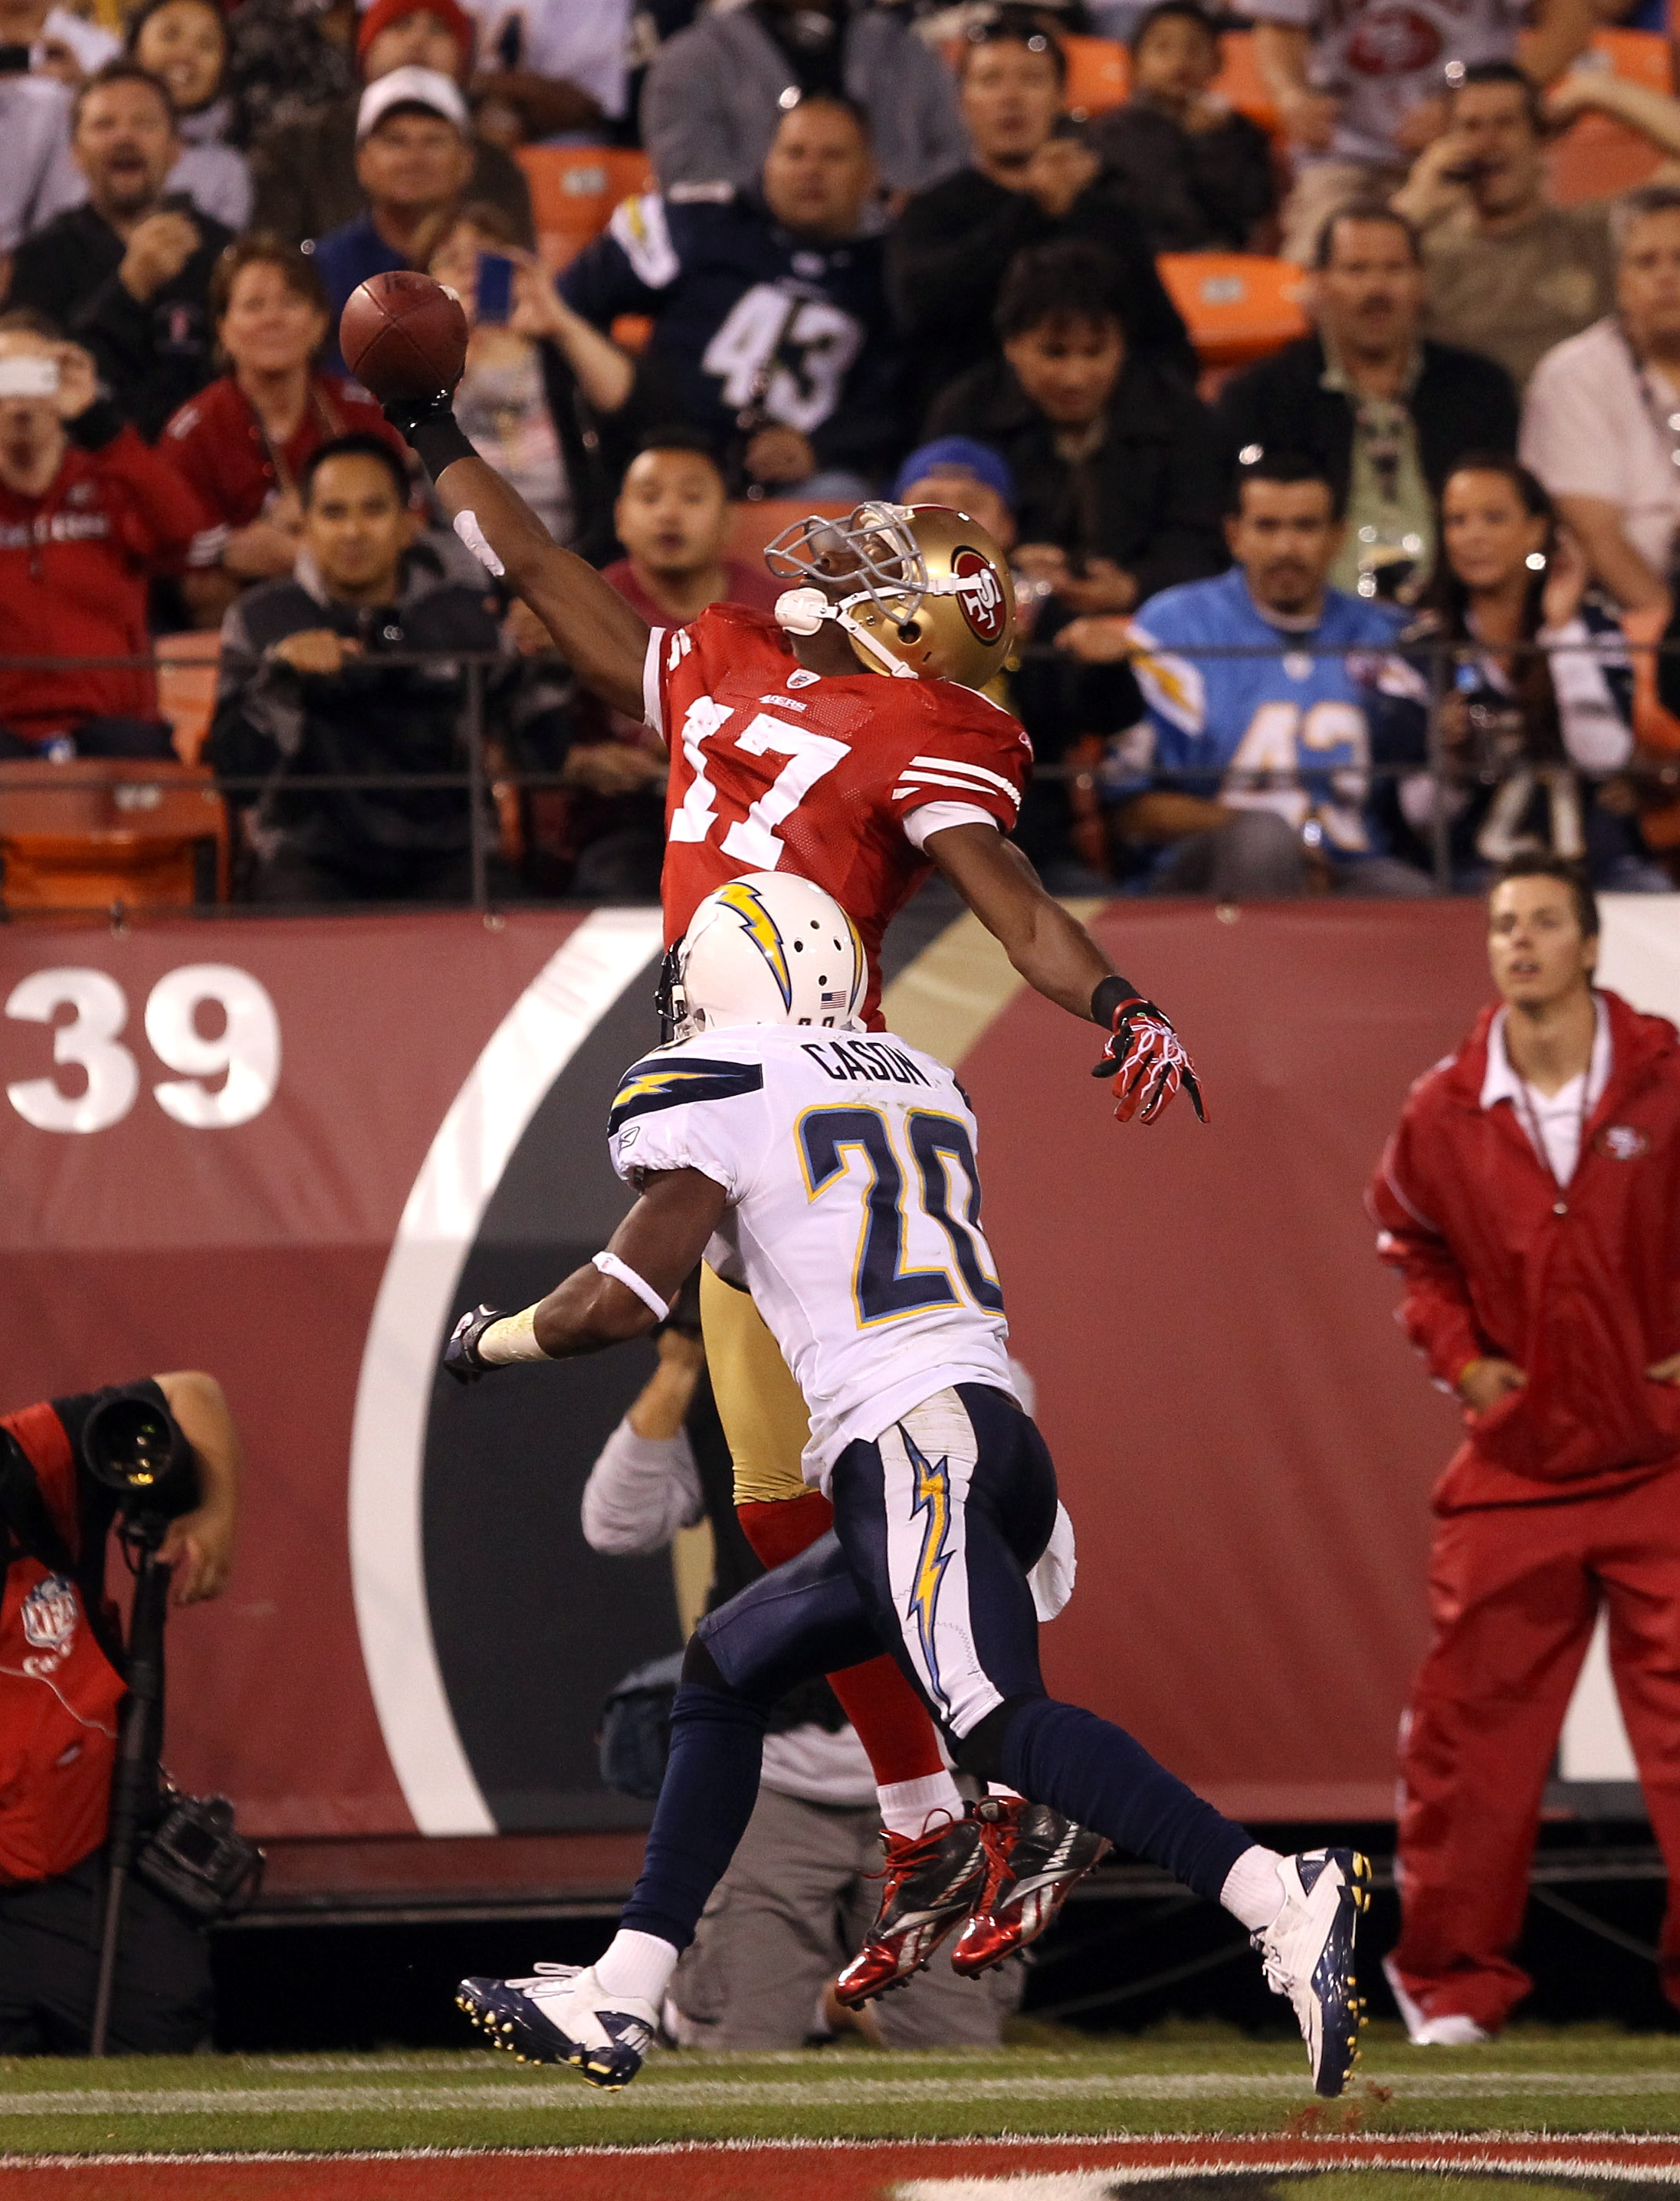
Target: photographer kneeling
column 62, row 1689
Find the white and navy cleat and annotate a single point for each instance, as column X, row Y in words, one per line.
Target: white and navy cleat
column 1308, row 1952
column 562, row 2015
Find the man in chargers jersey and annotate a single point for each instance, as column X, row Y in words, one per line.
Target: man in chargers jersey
column 1264, row 758
column 843, row 739
column 835, row 1175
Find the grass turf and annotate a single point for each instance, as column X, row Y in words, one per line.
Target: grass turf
column 1179, row 2079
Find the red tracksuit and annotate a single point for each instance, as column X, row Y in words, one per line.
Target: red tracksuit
column 74, row 567
column 1562, row 1496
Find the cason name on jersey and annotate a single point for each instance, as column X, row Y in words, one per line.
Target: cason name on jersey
column 853, row 1211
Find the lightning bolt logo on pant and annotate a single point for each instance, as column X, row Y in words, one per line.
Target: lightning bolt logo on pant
column 932, row 1498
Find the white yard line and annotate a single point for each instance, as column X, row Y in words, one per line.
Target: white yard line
column 514, row 2095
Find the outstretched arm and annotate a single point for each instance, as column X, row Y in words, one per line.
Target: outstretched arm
column 603, row 638
column 1059, row 959
column 658, row 1243
column 1051, row 951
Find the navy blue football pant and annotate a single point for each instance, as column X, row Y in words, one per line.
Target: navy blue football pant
column 936, row 1524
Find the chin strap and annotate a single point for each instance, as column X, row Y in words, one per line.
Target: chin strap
column 803, row 611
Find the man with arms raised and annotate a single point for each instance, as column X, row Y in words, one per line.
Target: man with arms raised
column 834, row 1177
column 841, row 738
column 1530, row 1200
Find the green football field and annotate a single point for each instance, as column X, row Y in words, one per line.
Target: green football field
column 1176, row 2080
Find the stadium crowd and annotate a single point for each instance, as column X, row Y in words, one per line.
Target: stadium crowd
column 884, row 249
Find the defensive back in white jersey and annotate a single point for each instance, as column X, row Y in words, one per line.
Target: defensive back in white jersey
column 854, row 1214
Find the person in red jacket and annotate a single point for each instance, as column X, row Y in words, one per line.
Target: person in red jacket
column 61, row 1692
column 1530, row 1200
column 88, row 515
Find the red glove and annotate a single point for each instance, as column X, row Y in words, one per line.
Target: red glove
column 1148, row 1062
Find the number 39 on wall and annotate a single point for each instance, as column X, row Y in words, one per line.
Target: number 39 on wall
column 245, row 1054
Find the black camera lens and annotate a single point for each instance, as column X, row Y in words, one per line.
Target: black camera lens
column 134, row 1446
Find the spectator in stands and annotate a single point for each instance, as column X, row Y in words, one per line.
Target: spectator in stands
column 799, row 1894
column 244, row 441
column 1597, row 423
column 1118, row 492
column 128, row 274
column 301, row 691
column 606, row 837
column 39, row 176
column 1247, row 779
column 1511, row 273
column 88, row 516
column 62, row 1689
column 1362, row 89
column 551, row 68
column 958, row 471
column 1200, row 176
column 673, row 520
column 1033, row 180
column 716, row 93
column 305, row 172
column 770, row 317
column 185, row 42
column 413, row 159
column 1385, row 412
column 1527, row 740
column 555, row 406
column 289, row 60
column 57, row 41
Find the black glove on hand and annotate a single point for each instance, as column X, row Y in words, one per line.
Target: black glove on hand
column 460, row 1354
column 1148, row 1062
column 430, row 427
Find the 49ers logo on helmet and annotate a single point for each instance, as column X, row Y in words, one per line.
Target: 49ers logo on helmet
column 979, row 593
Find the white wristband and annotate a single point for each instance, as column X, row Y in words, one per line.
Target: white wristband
column 610, row 1265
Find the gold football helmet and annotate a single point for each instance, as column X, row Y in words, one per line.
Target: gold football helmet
column 923, row 592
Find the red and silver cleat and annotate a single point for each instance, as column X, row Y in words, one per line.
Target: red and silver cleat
column 1033, row 1858
column 931, row 1880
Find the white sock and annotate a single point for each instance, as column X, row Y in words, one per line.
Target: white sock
column 906, row 1806
column 636, row 1964
column 1253, row 1893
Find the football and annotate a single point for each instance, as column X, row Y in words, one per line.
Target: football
column 403, row 336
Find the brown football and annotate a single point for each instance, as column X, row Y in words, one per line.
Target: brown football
column 404, row 336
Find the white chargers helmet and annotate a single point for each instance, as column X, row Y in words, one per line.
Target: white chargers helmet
column 769, row 948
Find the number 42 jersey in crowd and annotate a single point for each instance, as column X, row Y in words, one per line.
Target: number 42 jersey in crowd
column 854, row 1214
column 839, row 779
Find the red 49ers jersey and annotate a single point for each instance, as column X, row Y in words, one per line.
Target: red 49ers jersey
column 775, row 768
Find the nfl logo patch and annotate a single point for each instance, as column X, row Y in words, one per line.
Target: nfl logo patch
column 49, row 1615
column 1622, row 1142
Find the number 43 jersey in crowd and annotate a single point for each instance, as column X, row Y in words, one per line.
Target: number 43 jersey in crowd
column 838, row 779
column 854, row 1214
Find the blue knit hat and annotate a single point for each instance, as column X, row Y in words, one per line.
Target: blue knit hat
column 951, row 452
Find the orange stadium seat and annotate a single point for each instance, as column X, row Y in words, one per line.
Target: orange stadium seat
column 573, row 190
column 1099, row 75
column 1597, row 157
column 1237, row 306
column 89, row 834
column 1240, row 82
column 186, row 688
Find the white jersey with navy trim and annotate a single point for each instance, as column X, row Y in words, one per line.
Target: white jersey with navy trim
column 854, row 1214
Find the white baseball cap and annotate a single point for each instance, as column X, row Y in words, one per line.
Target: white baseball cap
column 412, row 86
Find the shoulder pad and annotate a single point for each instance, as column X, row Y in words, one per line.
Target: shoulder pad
column 672, row 1083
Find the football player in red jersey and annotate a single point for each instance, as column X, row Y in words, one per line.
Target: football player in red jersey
column 845, row 738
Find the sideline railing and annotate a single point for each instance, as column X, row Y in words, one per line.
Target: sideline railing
column 1652, row 775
